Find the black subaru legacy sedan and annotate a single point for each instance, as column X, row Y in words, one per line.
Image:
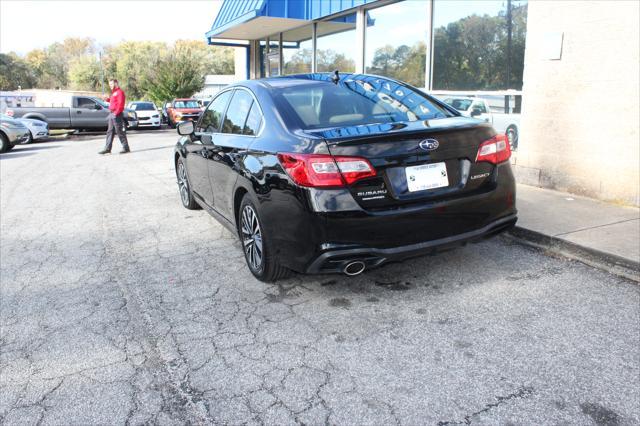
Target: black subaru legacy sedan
column 325, row 173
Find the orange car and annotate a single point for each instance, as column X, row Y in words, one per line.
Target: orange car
column 183, row 110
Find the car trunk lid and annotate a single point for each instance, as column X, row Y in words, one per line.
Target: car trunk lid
column 414, row 161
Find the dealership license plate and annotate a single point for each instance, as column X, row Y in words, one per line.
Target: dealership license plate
column 427, row 176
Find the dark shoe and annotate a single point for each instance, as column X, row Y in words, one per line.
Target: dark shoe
column 104, row 151
column 125, row 151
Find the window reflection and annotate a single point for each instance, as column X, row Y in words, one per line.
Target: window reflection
column 297, row 50
column 396, row 41
column 336, row 44
column 471, row 47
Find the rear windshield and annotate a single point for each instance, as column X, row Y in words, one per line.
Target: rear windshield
column 459, row 104
column 143, row 106
column 359, row 101
column 186, row 104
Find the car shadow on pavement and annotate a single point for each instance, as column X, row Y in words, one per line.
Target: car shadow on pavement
column 22, row 148
column 9, row 155
column 151, row 149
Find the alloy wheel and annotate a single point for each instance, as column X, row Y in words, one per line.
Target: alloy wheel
column 183, row 184
column 251, row 238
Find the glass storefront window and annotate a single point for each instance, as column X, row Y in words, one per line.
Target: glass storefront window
column 471, row 50
column 297, row 50
column 336, row 44
column 396, row 38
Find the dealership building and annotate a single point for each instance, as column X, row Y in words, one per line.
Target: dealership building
column 575, row 65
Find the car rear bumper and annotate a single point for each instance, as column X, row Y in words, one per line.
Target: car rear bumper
column 335, row 260
column 316, row 237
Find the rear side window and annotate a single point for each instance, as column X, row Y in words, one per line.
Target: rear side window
column 254, row 120
column 212, row 117
column 459, row 104
column 86, row 103
column 359, row 101
column 237, row 112
column 480, row 106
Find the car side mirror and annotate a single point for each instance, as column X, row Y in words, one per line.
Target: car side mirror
column 185, row 128
column 475, row 112
column 98, row 107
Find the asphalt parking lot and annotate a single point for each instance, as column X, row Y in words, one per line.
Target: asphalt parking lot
column 119, row 306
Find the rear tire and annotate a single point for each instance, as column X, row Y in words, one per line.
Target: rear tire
column 259, row 252
column 5, row 145
column 184, row 188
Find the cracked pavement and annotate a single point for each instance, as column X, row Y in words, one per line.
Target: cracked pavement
column 118, row 306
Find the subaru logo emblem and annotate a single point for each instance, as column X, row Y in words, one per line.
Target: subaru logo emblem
column 429, row 144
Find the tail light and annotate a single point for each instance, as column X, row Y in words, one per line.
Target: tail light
column 319, row 170
column 9, row 112
column 496, row 150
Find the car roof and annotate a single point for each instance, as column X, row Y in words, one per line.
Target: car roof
column 310, row 79
column 461, row 98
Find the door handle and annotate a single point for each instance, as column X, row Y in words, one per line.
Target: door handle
column 78, row 112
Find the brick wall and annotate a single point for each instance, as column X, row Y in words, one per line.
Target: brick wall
column 580, row 114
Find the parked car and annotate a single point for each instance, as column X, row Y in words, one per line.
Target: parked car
column 38, row 129
column 323, row 177
column 204, row 104
column 164, row 113
column 12, row 132
column 479, row 108
column 147, row 114
column 85, row 112
column 182, row 110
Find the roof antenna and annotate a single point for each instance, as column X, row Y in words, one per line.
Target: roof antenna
column 335, row 77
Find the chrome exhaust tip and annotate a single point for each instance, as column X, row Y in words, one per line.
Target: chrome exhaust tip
column 354, row 268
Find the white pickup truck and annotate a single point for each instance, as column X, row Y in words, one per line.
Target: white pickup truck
column 508, row 124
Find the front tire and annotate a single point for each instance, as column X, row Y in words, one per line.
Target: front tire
column 30, row 140
column 186, row 195
column 5, row 145
column 259, row 252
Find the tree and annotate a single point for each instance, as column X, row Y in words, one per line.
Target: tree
column 15, row 73
column 213, row 59
column 131, row 62
column 176, row 76
column 300, row 62
column 403, row 63
column 471, row 53
column 84, row 74
column 51, row 65
column 330, row 60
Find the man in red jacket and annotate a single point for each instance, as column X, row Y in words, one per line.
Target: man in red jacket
column 116, row 120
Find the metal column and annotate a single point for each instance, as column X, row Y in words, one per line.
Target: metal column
column 314, row 33
column 428, row 81
column 361, row 23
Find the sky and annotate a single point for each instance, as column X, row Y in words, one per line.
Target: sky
column 26, row 25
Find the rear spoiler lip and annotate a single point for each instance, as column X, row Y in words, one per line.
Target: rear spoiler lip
column 335, row 135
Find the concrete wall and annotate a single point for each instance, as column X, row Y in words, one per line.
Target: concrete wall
column 580, row 114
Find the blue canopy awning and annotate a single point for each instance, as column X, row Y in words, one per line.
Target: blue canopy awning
column 257, row 19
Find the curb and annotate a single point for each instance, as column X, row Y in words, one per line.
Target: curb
column 598, row 259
